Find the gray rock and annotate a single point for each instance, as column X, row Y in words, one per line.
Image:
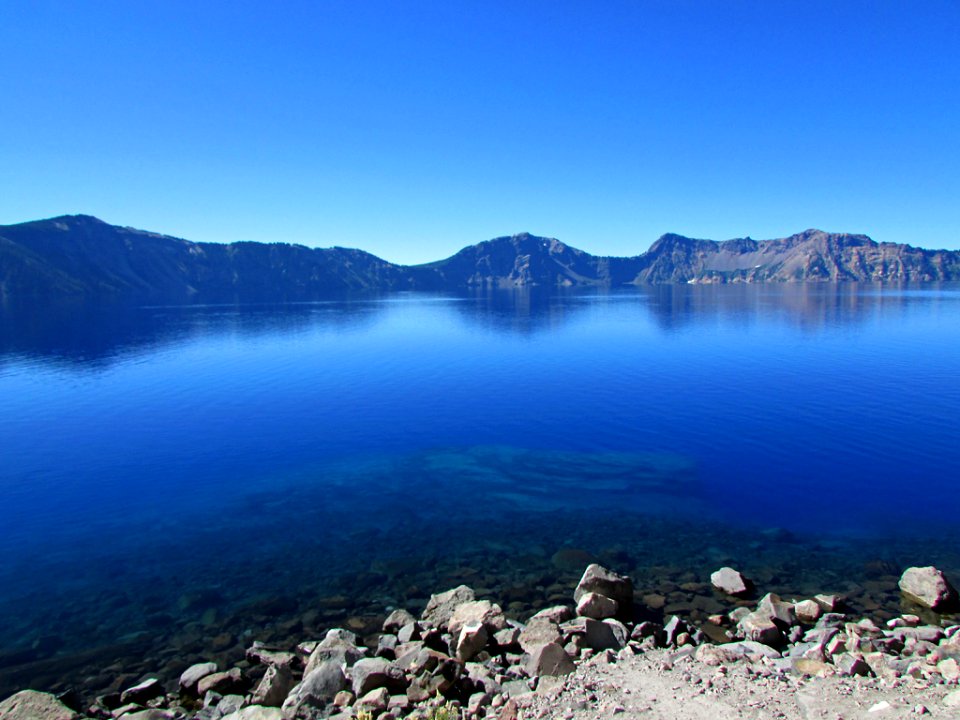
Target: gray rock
column 33, row 705
column 375, row 701
column 224, row 683
column 758, row 627
column 952, row 699
column 671, row 629
column 149, row 714
column 830, row 603
column 808, row 611
column 260, row 653
column 489, row 614
column 193, row 675
column 142, row 692
column 317, row 689
column 928, row 587
column 550, row 659
column 599, row 580
column 508, row 637
column 387, row 647
column 778, row 610
column 748, row 649
column 440, row 607
column 255, row 712
column 730, row 581
column 538, row 633
column 338, row 645
column 372, row 673
column 396, row 620
column 596, row 606
column 556, row 614
column 408, row 633
column 596, row 634
column 273, row 687
column 851, row 664
column 472, row 639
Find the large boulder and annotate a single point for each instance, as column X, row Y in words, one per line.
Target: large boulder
column 928, row 587
column 597, row 579
column 471, row 639
column 33, row 705
column 440, row 607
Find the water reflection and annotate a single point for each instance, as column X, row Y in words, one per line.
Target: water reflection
column 92, row 333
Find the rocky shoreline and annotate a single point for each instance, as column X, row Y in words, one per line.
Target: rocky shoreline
column 463, row 657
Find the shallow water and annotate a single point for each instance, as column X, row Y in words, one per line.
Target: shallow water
column 178, row 481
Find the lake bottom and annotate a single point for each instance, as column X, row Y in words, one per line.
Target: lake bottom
column 340, row 544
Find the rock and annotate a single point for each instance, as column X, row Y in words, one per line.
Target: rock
column 193, row 675
column 149, row 714
column 673, row 627
column 851, row 664
column 408, row 633
column 599, row 580
column 440, row 607
column 264, row 655
column 596, row 606
column 808, row 611
column 372, row 673
column 928, row 587
column 484, row 612
column 758, row 627
column 550, row 659
column 33, row 705
column 318, row 688
column 396, row 620
column 223, row 683
column 811, row 667
column 375, row 701
column 952, row 699
column 472, row 639
column 477, row 701
column 255, row 712
column 508, row 637
column 387, row 647
column 142, row 693
column 556, row 614
column 274, row 687
column 731, row 582
column 830, row 603
column 538, row 633
column 949, row 670
column 339, row 645
column 780, row 612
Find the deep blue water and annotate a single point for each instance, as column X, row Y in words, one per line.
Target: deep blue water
column 146, row 452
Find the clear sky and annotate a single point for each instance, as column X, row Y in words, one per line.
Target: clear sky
column 413, row 129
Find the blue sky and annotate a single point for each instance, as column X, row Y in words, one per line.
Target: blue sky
column 414, row 129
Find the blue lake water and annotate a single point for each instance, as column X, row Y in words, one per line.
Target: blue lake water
column 178, row 481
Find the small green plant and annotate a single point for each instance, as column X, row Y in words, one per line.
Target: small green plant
column 364, row 714
column 445, row 712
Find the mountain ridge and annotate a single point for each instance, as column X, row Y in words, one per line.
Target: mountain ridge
column 73, row 255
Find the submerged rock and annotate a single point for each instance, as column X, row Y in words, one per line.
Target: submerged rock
column 731, row 582
column 928, row 587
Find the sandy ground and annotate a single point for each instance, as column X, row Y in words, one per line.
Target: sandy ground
column 653, row 686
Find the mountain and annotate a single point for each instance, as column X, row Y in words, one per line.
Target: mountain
column 79, row 255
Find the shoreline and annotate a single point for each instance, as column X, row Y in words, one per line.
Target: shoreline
column 572, row 660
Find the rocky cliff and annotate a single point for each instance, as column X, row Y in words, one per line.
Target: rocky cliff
column 81, row 255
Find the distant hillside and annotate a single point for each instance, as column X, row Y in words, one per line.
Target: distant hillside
column 80, row 255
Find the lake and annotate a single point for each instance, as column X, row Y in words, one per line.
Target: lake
column 177, row 482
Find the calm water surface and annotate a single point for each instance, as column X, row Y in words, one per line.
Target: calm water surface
column 164, row 470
